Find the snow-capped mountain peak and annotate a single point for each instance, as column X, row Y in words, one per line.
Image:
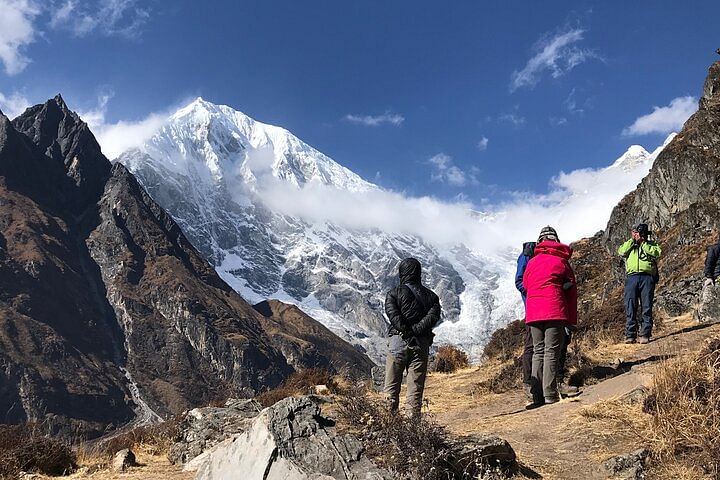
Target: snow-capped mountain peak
column 636, row 156
column 217, row 142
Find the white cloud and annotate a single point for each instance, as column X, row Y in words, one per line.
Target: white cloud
column 445, row 171
column 571, row 103
column 577, row 204
column 13, row 105
column 557, row 54
column 664, row 119
column 105, row 17
column 115, row 138
column 557, row 121
column 389, row 118
column 482, row 145
column 17, row 30
column 513, row 118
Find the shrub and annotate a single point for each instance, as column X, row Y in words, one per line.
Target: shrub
column 505, row 342
column 449, row 359
column 24, row 448
column 154, row 439
column 508, row 378
column 300, row 382
column 409, row 448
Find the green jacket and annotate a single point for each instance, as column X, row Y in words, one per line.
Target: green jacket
column 642, row 258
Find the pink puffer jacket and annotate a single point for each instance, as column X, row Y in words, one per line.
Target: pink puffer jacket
column 550, row 284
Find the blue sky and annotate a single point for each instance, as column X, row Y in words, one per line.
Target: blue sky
column 473, row 100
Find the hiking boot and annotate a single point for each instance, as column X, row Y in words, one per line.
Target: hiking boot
column 630, row 340
column 644, row 340
column 531, row 402
column 550, row 400
column 567, row 391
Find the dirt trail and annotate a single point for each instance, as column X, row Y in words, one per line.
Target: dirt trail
column 552, row 441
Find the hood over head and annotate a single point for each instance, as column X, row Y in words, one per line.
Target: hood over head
column 410, row 271
column 550, row 247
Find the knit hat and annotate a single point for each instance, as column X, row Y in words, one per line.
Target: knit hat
column 642, row 229
column 548, row 233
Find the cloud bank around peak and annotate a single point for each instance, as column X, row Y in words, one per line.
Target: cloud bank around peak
column 14, row 104
column 578, row 204
column 117, row 137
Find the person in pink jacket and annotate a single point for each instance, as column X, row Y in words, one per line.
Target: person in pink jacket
column 551, row 306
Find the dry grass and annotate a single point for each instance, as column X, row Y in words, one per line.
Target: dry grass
column 509, row 377
column 24, row 448
column 299, row 383
column 685, row 411
column 152, row 440
column 680, row 419
column 450, row 359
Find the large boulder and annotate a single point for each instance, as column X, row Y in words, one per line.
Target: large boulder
column 290, row 441
column 709, row 309
column 203, row 428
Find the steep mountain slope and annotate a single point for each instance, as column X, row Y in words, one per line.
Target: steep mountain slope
column 107, row 312
column 212, row 167
column 679, row 200
column 228, row 179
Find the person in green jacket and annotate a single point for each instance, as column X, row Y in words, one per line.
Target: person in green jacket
column 641, row 256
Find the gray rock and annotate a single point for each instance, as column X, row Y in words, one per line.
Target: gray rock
column 630, row 466
column 488, row 456
column 123, row 460
column 709, row 309
column 203, row 428
column 290, row 441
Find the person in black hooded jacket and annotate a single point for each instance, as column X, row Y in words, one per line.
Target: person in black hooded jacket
column 413, row 310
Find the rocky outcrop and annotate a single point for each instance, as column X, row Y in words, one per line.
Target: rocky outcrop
column 709, row 309
column 203, row 428
column 291, row 441
column 107, row 312
column 678, row 200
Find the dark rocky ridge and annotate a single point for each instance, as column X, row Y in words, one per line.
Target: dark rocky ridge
column 96, row 278
column 679, row 200
column 286, row 323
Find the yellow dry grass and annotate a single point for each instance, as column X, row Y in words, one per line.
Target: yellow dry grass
column 153, row 466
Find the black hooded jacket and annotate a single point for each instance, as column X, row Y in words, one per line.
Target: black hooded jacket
column 410, row 316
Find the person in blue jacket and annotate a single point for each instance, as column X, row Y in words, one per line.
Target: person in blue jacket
column 522, row 261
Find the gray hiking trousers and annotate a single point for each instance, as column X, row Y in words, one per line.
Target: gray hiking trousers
column 414, row 359
column 548, row 337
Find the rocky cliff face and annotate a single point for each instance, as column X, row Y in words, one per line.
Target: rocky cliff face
column 679, row 200
column 107, row 313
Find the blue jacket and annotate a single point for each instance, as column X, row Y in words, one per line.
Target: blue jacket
column 522, row 261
